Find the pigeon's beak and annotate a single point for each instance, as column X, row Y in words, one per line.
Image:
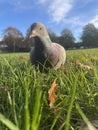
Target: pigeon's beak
column 33, row 34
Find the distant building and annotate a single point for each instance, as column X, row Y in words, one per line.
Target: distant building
column 3, row 46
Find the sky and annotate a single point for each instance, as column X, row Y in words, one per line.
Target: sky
column 54, row 14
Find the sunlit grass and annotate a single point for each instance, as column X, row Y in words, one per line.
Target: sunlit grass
column 24, row 103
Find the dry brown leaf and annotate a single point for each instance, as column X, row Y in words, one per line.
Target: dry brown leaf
column 23, row 57
column 95, row 58
column 77, row 62
column 52, row 95
column 62, row 68
column 84, row 66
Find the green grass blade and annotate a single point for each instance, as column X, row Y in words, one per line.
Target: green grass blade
column 55, row 120
column 8, row 123
column 10, row 67
column 37, row 110
column 71, row 104
column 27, row 114
column 90, row 126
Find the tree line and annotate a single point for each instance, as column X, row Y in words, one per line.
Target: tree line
column 14, row 41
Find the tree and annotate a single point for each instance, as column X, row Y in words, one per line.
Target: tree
column 90, row 36
column 13, row 38
column 52, row 36
column 67, row 39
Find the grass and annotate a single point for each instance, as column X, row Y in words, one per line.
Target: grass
column 24, row 103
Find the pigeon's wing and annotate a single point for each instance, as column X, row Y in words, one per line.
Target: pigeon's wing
column 61, row 55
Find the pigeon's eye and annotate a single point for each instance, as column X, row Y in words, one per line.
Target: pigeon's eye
column 40, row 28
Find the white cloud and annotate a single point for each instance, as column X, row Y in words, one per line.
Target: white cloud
column 57, row 9
column 95, row 21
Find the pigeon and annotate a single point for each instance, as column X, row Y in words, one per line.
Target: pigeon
column 45, row 54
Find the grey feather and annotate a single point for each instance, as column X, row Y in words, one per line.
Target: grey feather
column 45, row 53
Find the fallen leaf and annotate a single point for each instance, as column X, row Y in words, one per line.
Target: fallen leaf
column 23, row 57
column 77, row 62
column 84, row 66
column 95, row 58
column 62, row 68
column 52, row 95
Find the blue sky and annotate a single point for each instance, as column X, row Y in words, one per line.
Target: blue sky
column 54, row 14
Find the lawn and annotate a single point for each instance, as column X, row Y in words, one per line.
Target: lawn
column 24, row 97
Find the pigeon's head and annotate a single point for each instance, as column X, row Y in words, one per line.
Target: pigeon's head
column 37, row 29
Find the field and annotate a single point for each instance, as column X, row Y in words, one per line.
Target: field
column 24, row 97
